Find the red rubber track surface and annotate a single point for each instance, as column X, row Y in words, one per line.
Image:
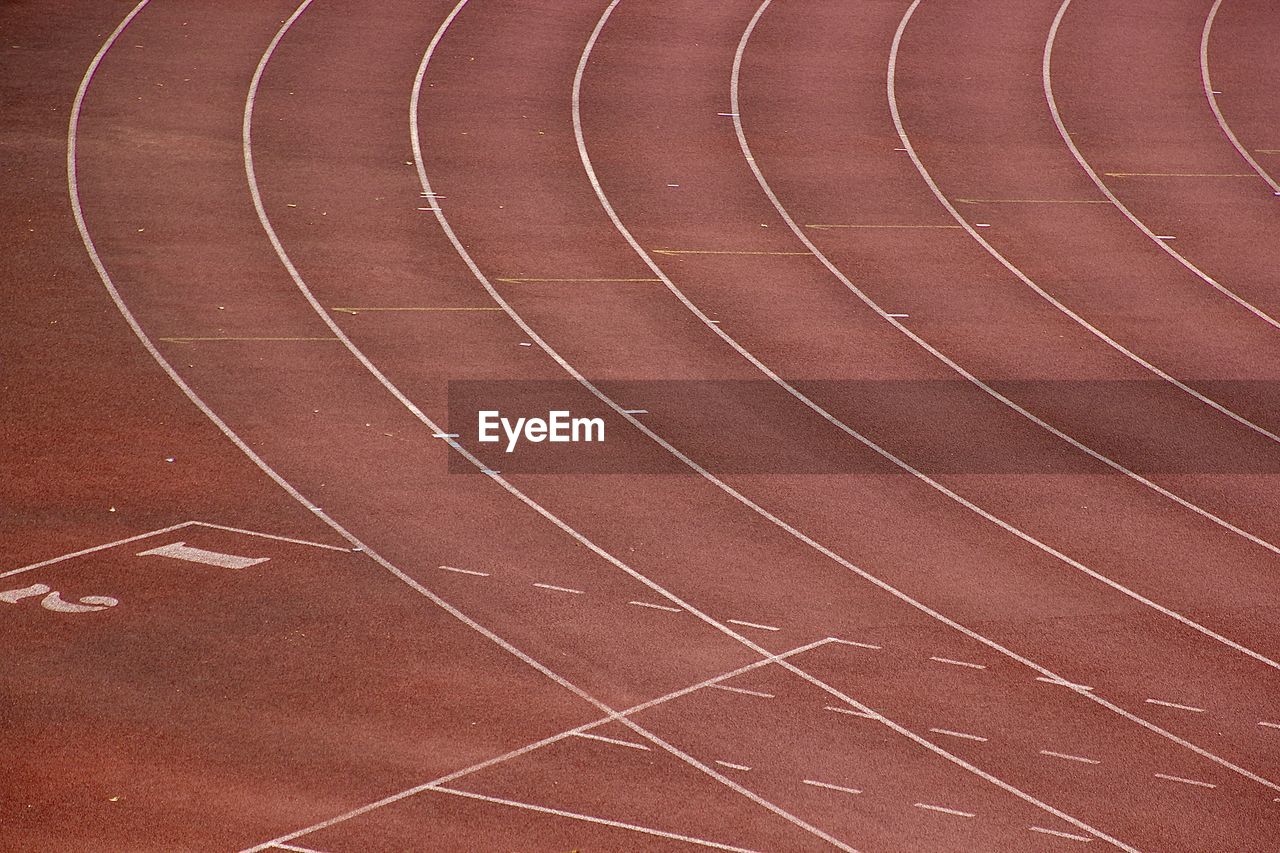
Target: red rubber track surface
column 1026, row 620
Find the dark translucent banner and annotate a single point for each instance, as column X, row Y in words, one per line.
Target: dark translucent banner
column 744, row 427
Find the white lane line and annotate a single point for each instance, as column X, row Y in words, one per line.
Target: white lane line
column 1061, row 683
column 764, row 513
column 900, row 316
column 841, row 788
column 752, row 625
column 83, row 551
column 615, row 741
column 1068, row 757
column 986, row 388
column 1060, row 834
column 1047, row 81
column 891, row 83
column 1184, row 781
column 732, row 766
column 656, row 606
column 445, row 435
column 295, row 848
column 150, row 346
column 1165, row 237
column 1269, row 725
column 1217, row 110
column 547, row 741
column 161, row 531
column 853, row 712
column 244, row 532
column 465, row 571
column 855, row 643
column 1175, row 705
column 702, row 842
column 958, row 662
column 414, row 108
column 743, row 690
column 636, row 411
column 959, row 734
column 945, row 810
column 558, row 588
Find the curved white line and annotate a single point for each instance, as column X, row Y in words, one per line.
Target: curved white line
column 582, row 380
column 327, row 318
column 1217, row 110
column 140, row 333
column 1046, row 76
column 712, row 478
column 735, row 108
column 1007, row 264
column 753, row 163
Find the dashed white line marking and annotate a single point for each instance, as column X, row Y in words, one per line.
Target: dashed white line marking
column 1060, row 834
column 729, row 115
column 1184, row 781
column 656, row 606
column 1175, row 705
column 853, row 643
column 1064, row 755
column 840, row 788
column 558, row 588
column 850, row 711
column 900, row 316
column 465, row 571
column 525, row 344
column 1269, row 725
column 955, row 812
column 982, row 224
column 743, row 690
column 611, row 740
column 958, row 662
column 444, row 435
column 1060, row 683
column 958, row 734
column 1165, row 237
column 636, row 411
column 752, row 625
column 732, row 766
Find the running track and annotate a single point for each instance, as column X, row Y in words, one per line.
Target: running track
column 1032, row 606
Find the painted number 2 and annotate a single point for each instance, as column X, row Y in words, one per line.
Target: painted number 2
column 52, row 599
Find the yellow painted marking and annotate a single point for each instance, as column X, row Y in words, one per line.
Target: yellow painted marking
column 518, row 280
column 719, row 252
column 423, row 308
column 1181, row 174
column 180, row 340
column 882, row 226
column 1033, row 201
